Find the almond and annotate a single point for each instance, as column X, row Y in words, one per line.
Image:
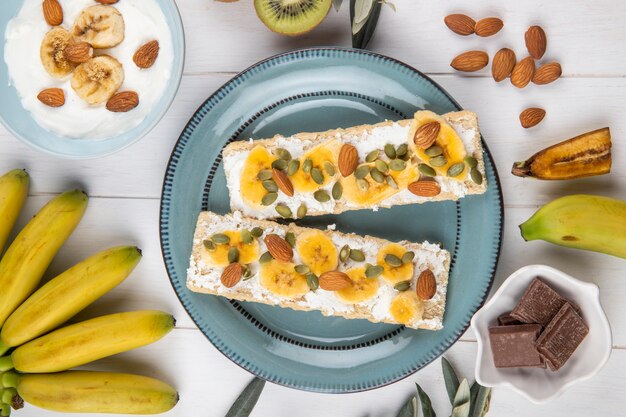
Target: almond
column 470, row 61
column 78, row 52
column 334, row 281
column 547, row 73
column 425, row 188
column 426, row 134
column 348, row 159
column 460, row 24
column 531, row 117
column 426, row 286
column 146, row 55
column 107, row 1
column 52, row 12
column 278, row 248
column 536, row 41
column 523, row 72
column 503, row 63
column 282, row 181
column 123, row 102
column 231, row 275
column 53, row 97
column 488, row 26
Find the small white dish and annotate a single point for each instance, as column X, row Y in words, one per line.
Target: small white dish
column 541, row 385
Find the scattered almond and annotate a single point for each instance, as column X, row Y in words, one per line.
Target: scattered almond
column 146, row 55
column 460, row 24
column 547, row 73
column 425, row 188
column 78, row 52
column 470, row 61
column 531, row 117
column 523, row 72
column 536, row 41
column 52, row 12
column 426, row 286
column 334, row 281
column 231, row 275
column 488, row 26
column 426, row 135
column 348, row 159
column 123, row 102
column 282, row 181
column 107, row 1
column 53, row 97
column 278, row 248
column 503, row 63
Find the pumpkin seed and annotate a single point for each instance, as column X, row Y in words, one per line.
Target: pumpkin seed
column 372, row 156
column 391, row 182
column 337, row 190
column 344, row 253
column 426, row 170
column 256, row 232
column 269, row 198
column 402, row 286
column 393, row 260
column 246, row 274
column 397, row 165
column 208, row 245
column 284, row 211
column 470, row 161
column 282, row 154
column 220, row 239
column 279, row 164
column 456, row 169
column 301, row 211
column 317, row 176
column 321, row 195
column 377, row 176
column 312, row 281
column 477, row 177
column 373, row 271
column 233, row 255
column 405, row 157
column 390, row 151
column 246, row 236
column 302, row 269
column 361, row 172
column 292, row 167
column 434, row 150
column 290, row 238
column 408, row 257
column 266, row 257
column 329, row 168
column 270, row 186
column 438, row 161
column 307, row 165
column 382, row 166
column 357, row 255
column 362, row 184
column 402, row 150
column 264, row 174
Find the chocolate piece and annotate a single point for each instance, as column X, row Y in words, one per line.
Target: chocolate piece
column 539, row 304
column 514, row 346
column 505, row 319
column 561, row 337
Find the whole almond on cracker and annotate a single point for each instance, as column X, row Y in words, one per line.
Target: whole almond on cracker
column 52, row 12
column 282, row 181
column 78, row 52
column 348, row 159
column 123, row 102
column 503, row 63
column 53, row 97
column 334, row 281
column 426, row 134
column 488, row 26
column 523, row 72
column 460, row 24
column 278, row 248
column 146, row 55
column 425, row 188
column 531, row 117
column 231, row 275
column 547, row 73
column 470, row 61
column 426, row 286
column 536, row 41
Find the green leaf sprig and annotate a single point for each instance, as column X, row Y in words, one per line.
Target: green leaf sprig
column 244, row 404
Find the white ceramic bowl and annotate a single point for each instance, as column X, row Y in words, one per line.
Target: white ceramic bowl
column 541, row 385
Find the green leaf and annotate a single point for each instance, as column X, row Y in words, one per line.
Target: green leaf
column 427, row 407
column 337, row 4
column 364, row 31
column 461, row 403
column 409, row 409
column 474, row 392
column 242, row 407
column 480, row 404
column 362, row 10
column 450, row 378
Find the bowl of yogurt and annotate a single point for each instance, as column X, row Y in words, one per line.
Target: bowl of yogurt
column 83, row 127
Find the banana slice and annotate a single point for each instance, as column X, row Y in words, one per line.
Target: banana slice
column 217, row 256
column 96, row 80
column 101, row 26
column 282, row 279
column 394, row 274
column 317, row 251
column 362, row 288
column 321, row 169
column 406, row 308
column 367, row 192
column 252, row 190
column 52, row 53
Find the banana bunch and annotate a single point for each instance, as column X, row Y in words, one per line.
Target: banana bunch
column 40, row 352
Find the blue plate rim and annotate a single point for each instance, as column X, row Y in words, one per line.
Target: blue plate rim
column 222, row 89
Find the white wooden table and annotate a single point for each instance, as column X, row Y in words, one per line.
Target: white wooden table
column 587, row 37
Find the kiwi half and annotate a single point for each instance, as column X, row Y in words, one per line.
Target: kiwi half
column 292, row 17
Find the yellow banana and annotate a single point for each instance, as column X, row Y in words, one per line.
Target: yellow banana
column 28, row 257
column 94, row 392
column 13, row 192
column 581, row 221
column 67, row 294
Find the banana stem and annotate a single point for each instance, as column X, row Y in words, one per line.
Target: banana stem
column 3, row 348
column 6, row 363
column 7, row 395
column 10, row 380
column 5, row 410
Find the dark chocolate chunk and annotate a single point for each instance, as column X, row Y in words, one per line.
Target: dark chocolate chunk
column 562, row 337
column 538, row 304
column 514, row 346
column 505, row 319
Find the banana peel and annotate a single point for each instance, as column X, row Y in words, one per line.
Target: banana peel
column 585, row 155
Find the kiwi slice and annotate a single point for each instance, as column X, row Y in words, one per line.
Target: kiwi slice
column 292, row 17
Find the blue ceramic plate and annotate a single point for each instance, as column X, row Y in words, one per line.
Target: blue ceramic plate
column 314, row 90
column 21, row 124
